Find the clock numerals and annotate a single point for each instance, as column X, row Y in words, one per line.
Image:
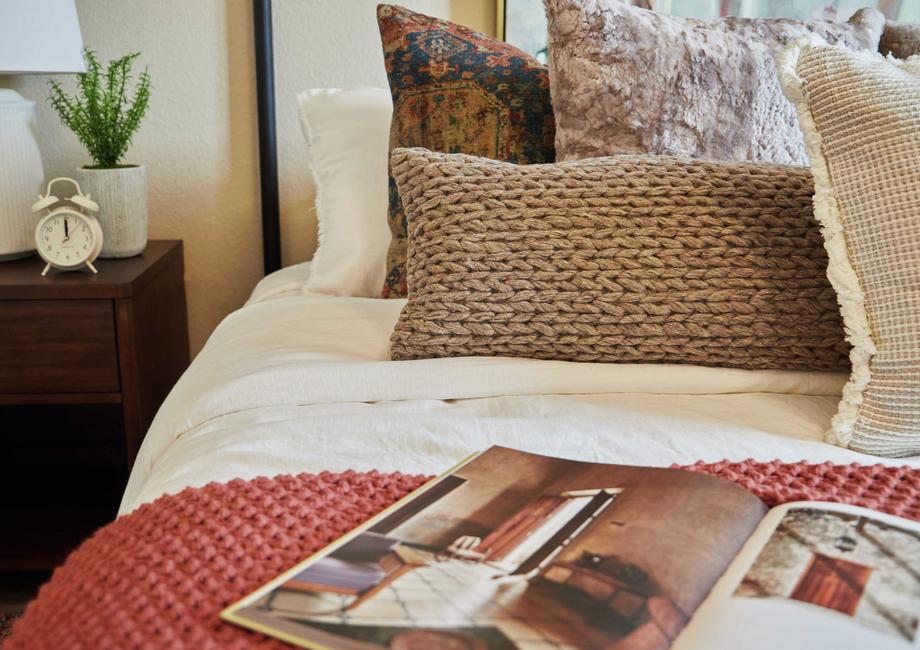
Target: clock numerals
column 67, row 239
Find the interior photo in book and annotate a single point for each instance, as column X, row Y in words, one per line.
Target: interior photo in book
column 861, row 567
column 515, row 550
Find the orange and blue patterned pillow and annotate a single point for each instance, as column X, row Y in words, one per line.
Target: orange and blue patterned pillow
column 458, row 91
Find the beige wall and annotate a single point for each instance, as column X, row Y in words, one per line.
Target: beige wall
column 199, row 139
column 478, row 14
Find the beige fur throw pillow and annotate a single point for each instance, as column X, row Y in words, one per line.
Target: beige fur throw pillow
column 624, row 259
column 861, row 116
column 628, row 80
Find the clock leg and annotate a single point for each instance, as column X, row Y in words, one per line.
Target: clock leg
column 91, row 267
column 47, row 268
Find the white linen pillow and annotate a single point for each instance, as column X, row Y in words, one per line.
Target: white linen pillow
column 348, row 133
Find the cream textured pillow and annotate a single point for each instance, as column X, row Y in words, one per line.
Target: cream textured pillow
column 630, row 259
column 861, row 117
column 628, row 80
column 347, row 134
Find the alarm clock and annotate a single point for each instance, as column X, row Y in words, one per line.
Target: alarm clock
column 68, row 237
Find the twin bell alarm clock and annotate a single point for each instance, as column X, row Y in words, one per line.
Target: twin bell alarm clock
column 68, row 237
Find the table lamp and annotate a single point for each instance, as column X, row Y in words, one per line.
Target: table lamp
column 36, row 36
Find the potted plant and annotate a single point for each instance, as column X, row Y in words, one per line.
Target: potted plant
column 105, row 119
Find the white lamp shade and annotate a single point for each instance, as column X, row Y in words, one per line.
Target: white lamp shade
column 40, row 36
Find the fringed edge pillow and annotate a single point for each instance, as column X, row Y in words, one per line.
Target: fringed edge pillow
column 859, row 113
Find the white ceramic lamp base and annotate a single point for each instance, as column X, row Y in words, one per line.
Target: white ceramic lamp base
column 21, row 175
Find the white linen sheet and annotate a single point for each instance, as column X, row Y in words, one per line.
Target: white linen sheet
column 301, row 383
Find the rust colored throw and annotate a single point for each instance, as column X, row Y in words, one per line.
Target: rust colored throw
column 159, row 576
column 634, row 259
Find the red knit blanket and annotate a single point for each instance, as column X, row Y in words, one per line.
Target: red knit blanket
column 159, row 576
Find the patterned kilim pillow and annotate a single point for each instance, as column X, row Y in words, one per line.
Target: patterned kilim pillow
column 456, row 90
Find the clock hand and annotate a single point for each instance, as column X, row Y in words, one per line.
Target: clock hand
column 66, row 230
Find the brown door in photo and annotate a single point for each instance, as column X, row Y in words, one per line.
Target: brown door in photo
column 500, row 542
column 832, row 583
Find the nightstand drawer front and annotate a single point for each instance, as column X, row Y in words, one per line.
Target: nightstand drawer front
column 58, row 346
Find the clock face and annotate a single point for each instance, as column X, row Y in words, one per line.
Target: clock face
column 65, row 239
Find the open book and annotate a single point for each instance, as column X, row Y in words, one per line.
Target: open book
column 515, row 550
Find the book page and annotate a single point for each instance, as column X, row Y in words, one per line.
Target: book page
column 515, row 550
column 817, row 575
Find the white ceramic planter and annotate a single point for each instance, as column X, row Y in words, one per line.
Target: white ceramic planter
column 122, row 197
column 21, row 175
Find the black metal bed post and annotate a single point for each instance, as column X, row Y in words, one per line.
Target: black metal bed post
column 268, row 145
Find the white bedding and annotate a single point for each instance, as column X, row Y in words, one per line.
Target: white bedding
column 300, row 383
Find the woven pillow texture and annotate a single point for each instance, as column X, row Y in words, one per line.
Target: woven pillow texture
column 460, row 91
column 861, row 116
column 622, row 259
column 628, row 80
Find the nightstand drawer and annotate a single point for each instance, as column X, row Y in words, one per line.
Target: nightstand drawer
column 58, row 346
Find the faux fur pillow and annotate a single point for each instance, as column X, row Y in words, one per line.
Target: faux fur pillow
column 628, row 80
column 629, row 259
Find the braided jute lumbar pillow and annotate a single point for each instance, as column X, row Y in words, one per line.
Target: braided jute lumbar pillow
column 623, row 259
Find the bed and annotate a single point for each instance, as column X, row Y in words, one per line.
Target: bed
column 295, row 381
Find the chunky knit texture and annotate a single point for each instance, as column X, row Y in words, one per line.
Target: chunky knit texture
column 635, row 259
column 159, row 577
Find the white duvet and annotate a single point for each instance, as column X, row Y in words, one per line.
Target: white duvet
column 299, row 383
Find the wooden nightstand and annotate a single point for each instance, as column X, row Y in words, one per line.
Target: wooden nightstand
column 85, row 361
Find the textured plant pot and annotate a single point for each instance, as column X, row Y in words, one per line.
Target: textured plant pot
column 122, row 197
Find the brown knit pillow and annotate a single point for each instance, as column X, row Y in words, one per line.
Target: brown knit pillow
column 625, row 259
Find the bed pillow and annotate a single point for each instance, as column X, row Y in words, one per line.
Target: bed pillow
column 622, row 259
column 900, row 40
column 458, row 90
column 347, row 133
column 862, row 125
column 628, row 80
